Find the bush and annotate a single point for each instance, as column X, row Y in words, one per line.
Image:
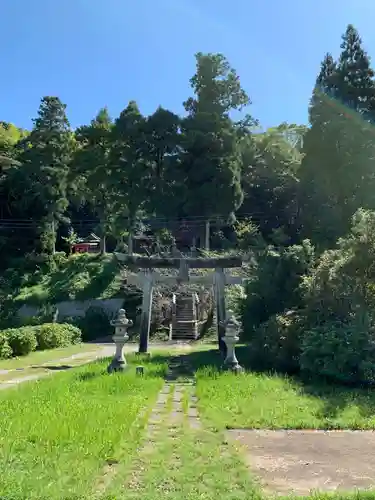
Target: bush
column 248, row 235
column 95, row 324
column 276, row 343
column 60, row 259
column 276, row 284
column 234, row 296
column 343, row 281
column 21, row 340
column 73, row 332
column 5, row 349
column 52, row 335
column 340, row 351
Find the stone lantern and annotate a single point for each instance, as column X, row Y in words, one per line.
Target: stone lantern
column 121, row 324
column 231, row 337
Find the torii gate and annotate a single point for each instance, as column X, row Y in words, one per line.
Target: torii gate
column 147, row 279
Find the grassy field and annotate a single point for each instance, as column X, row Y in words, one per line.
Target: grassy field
column 81, row 434
column 265, row 401
column 272, row 402
column 40, row 357
column 80, row 277
column 58, row 434
column 183, row 463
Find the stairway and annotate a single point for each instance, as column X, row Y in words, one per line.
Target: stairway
column 184, row 321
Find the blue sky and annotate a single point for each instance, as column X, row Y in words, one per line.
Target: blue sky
column 93, row 53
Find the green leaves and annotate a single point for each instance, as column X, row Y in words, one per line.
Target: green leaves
column 210, row 157
column 337, row 173
column 45, row 155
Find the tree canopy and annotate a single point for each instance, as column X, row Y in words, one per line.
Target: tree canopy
column 213, row 165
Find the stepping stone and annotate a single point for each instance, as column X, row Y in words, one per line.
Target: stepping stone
column 162, row 399
column 194, row 423
column 152, row 428
column 192, row 412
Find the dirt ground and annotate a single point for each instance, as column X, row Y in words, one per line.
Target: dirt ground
column 297, row 462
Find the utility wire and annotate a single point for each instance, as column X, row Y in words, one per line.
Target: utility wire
column 150, row 220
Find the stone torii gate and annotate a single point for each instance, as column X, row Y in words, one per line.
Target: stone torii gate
column 147, row 279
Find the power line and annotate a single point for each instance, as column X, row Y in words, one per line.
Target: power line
column 150, row 220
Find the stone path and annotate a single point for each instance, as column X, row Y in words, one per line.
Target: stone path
column 175, row 408
column 176, row 403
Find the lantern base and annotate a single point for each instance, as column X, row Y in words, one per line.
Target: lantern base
column 117, row 365
column 233, row 367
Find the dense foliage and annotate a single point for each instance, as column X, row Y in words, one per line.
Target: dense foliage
column 299, row 200
column 313, row 311
column 190, row 176
column 22, row 341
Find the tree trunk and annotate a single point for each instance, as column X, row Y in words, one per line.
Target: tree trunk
column 130, row 243
column 207, row 235
column 103, row 244
column 53, row 230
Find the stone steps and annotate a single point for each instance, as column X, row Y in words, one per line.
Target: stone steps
column 185, row 326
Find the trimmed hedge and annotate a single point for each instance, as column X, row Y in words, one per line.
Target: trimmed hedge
column 22, row 341
column 5, row 349
column 52, row 335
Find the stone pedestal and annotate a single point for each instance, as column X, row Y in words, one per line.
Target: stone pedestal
column 231, row 337
column 121, row 324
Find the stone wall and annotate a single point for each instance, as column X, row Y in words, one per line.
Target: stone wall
column 76, row 308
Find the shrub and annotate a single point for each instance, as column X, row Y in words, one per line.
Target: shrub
column 276, row 343
column 5, row 349
column 234, row 296
column 74, row 332
column 340, row 351
column 247, row 234
column 343, row 281
column 276, row 284
column 95, row 324
column 21, row 340
column 60, row 259
column 52, row 335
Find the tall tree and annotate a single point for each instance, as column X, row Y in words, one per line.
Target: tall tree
column 270, row 165
column 337, row 175
column 210, row 160
column 130, row 167
column 354, row 77
column 316, row 207
column 92, row 170
column 45, row 156
column 162, row 141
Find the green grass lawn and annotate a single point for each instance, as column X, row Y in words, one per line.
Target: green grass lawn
column 265, row 401
column 58, row 434
column 80, row 434
column 184, row 463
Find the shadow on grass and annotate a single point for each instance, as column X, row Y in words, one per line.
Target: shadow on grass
column 56, row 368
column 186, row 364
column 335, row 398
column 338, row 398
